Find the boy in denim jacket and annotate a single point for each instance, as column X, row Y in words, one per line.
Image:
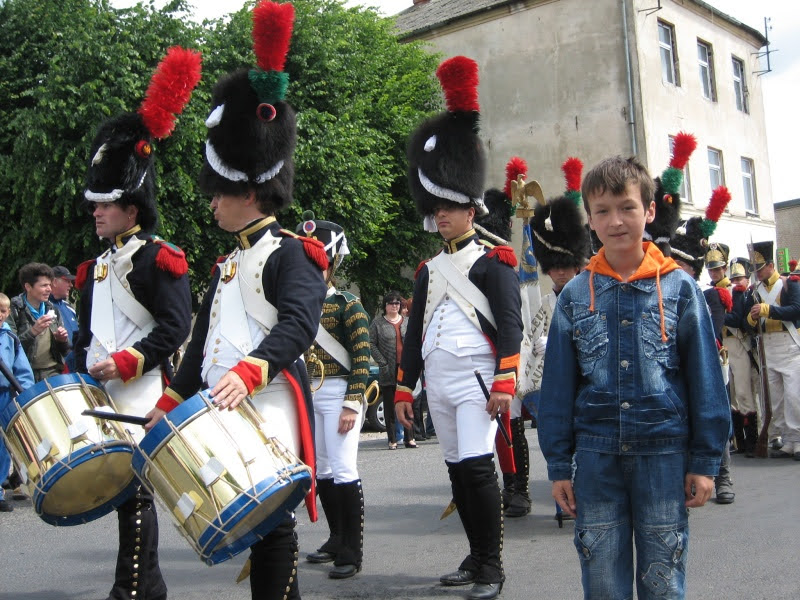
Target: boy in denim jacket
column 632, row 391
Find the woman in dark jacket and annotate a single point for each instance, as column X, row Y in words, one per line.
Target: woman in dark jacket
column 386, row 333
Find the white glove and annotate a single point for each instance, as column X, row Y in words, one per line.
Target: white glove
column 539, row 345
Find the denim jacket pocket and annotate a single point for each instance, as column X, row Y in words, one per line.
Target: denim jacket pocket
column 653, row 345
column 590, row 334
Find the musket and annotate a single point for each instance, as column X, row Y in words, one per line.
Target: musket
column 762, row 445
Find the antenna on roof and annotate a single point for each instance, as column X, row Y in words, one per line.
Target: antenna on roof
column 766, row 52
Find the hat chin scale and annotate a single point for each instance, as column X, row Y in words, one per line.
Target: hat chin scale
column 231, row 174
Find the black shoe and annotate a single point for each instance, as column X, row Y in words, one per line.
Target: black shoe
column 411, row 444
column 459, row 577
column 725, row 494
column 485, row 591
column 343, row 571
column 5, row 506
column 320, row 556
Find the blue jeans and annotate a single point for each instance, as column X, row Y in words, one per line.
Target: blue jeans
column 625, row 499
column 5, row 466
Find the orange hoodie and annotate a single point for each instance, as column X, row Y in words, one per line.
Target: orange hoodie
column 654, row 264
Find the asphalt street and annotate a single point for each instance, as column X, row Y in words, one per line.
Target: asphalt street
column 745, row 551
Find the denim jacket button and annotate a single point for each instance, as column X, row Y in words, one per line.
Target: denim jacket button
column 624, row 364
column 625, row 405
column 625, row 447
column 625, row 322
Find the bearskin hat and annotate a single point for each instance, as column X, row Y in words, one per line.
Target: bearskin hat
column 121, row 164
column 496, row 226
column 561, row 239
column 667, row 196
column 329, row 233
column 446, row 159
column 251, row 128
column 689, row 242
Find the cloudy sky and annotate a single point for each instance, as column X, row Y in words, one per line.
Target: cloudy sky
column 781, row 86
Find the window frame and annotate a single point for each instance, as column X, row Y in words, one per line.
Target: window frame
column 673, row 53
column 749, row 183
column 740, row 92
column 718, row 168
column 709, row 79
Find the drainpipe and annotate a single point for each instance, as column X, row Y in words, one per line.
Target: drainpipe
column 631, row 121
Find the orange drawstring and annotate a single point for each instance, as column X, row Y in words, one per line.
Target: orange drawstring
column 660, row 304
column 591, row 288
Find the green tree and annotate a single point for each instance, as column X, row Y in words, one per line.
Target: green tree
column 65, row 66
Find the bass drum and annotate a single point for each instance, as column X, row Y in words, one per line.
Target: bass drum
column 226, row 483
column 75, row 468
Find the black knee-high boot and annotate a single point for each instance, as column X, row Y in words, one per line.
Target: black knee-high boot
column 273, row 564
column 348, row 559
column 331, row 506
column 137, row 575
column 519, row 504
column 485, row 513
column 461, row 498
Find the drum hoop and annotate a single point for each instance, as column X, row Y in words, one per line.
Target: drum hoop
column 41, row 389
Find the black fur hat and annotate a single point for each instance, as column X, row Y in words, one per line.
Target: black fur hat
column 121, row 166
column 446, row 159
column 690, row 245
column 495, row 226
column 560, row 238
column 251, row 129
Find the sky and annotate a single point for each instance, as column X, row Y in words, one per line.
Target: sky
column 781, row 87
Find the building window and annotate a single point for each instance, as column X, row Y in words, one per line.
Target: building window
column 686, row 187
column 739, row 85
column 749, row 186
column 715, row 171
column 669, row 54
column 705, row 58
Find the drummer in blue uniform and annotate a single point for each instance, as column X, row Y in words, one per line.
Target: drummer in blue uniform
column 136, row 303
column 267, row 294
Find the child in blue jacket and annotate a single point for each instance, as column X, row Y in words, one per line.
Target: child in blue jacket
column 13, row 356
column 632, row 390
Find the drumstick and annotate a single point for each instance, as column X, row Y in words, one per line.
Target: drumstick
column 10, row 376
column 500, row 425
column 112, row 416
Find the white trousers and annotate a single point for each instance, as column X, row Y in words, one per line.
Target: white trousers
column 742, row 376
column 783, row 374
column 457, row 404
column 278, row 407
column 337, row 454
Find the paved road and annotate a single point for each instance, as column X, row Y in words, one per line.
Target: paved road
column 749, row 550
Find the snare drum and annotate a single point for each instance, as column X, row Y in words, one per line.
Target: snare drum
column 75, row 468
column 226, row 483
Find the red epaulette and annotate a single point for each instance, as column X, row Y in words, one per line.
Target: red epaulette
column 505, row 254
column 82, row 273
column 171, row 259
column 419, row 268
column 220, row 259
column 740, row 288
column 794, row 278
column 726, row 298
column 314, row 248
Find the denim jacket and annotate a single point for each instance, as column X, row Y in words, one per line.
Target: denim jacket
column 632, row 368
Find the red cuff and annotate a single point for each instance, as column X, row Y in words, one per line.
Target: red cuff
column 403, row 396
column 505, row 386
column 254, row 373
column 167, row 401
column 130, row 363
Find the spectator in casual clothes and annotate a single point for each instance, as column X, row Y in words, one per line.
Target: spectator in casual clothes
column 37, row 323
column 14, row 358
column 62, row 284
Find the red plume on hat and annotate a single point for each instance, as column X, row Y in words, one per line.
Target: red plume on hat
column 573, row 168
column 272, row 32
column 716, row 206
column 459, row 79
column 170, row 89
column 515, row 167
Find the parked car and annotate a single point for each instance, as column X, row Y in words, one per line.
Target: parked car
column 373, row 413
